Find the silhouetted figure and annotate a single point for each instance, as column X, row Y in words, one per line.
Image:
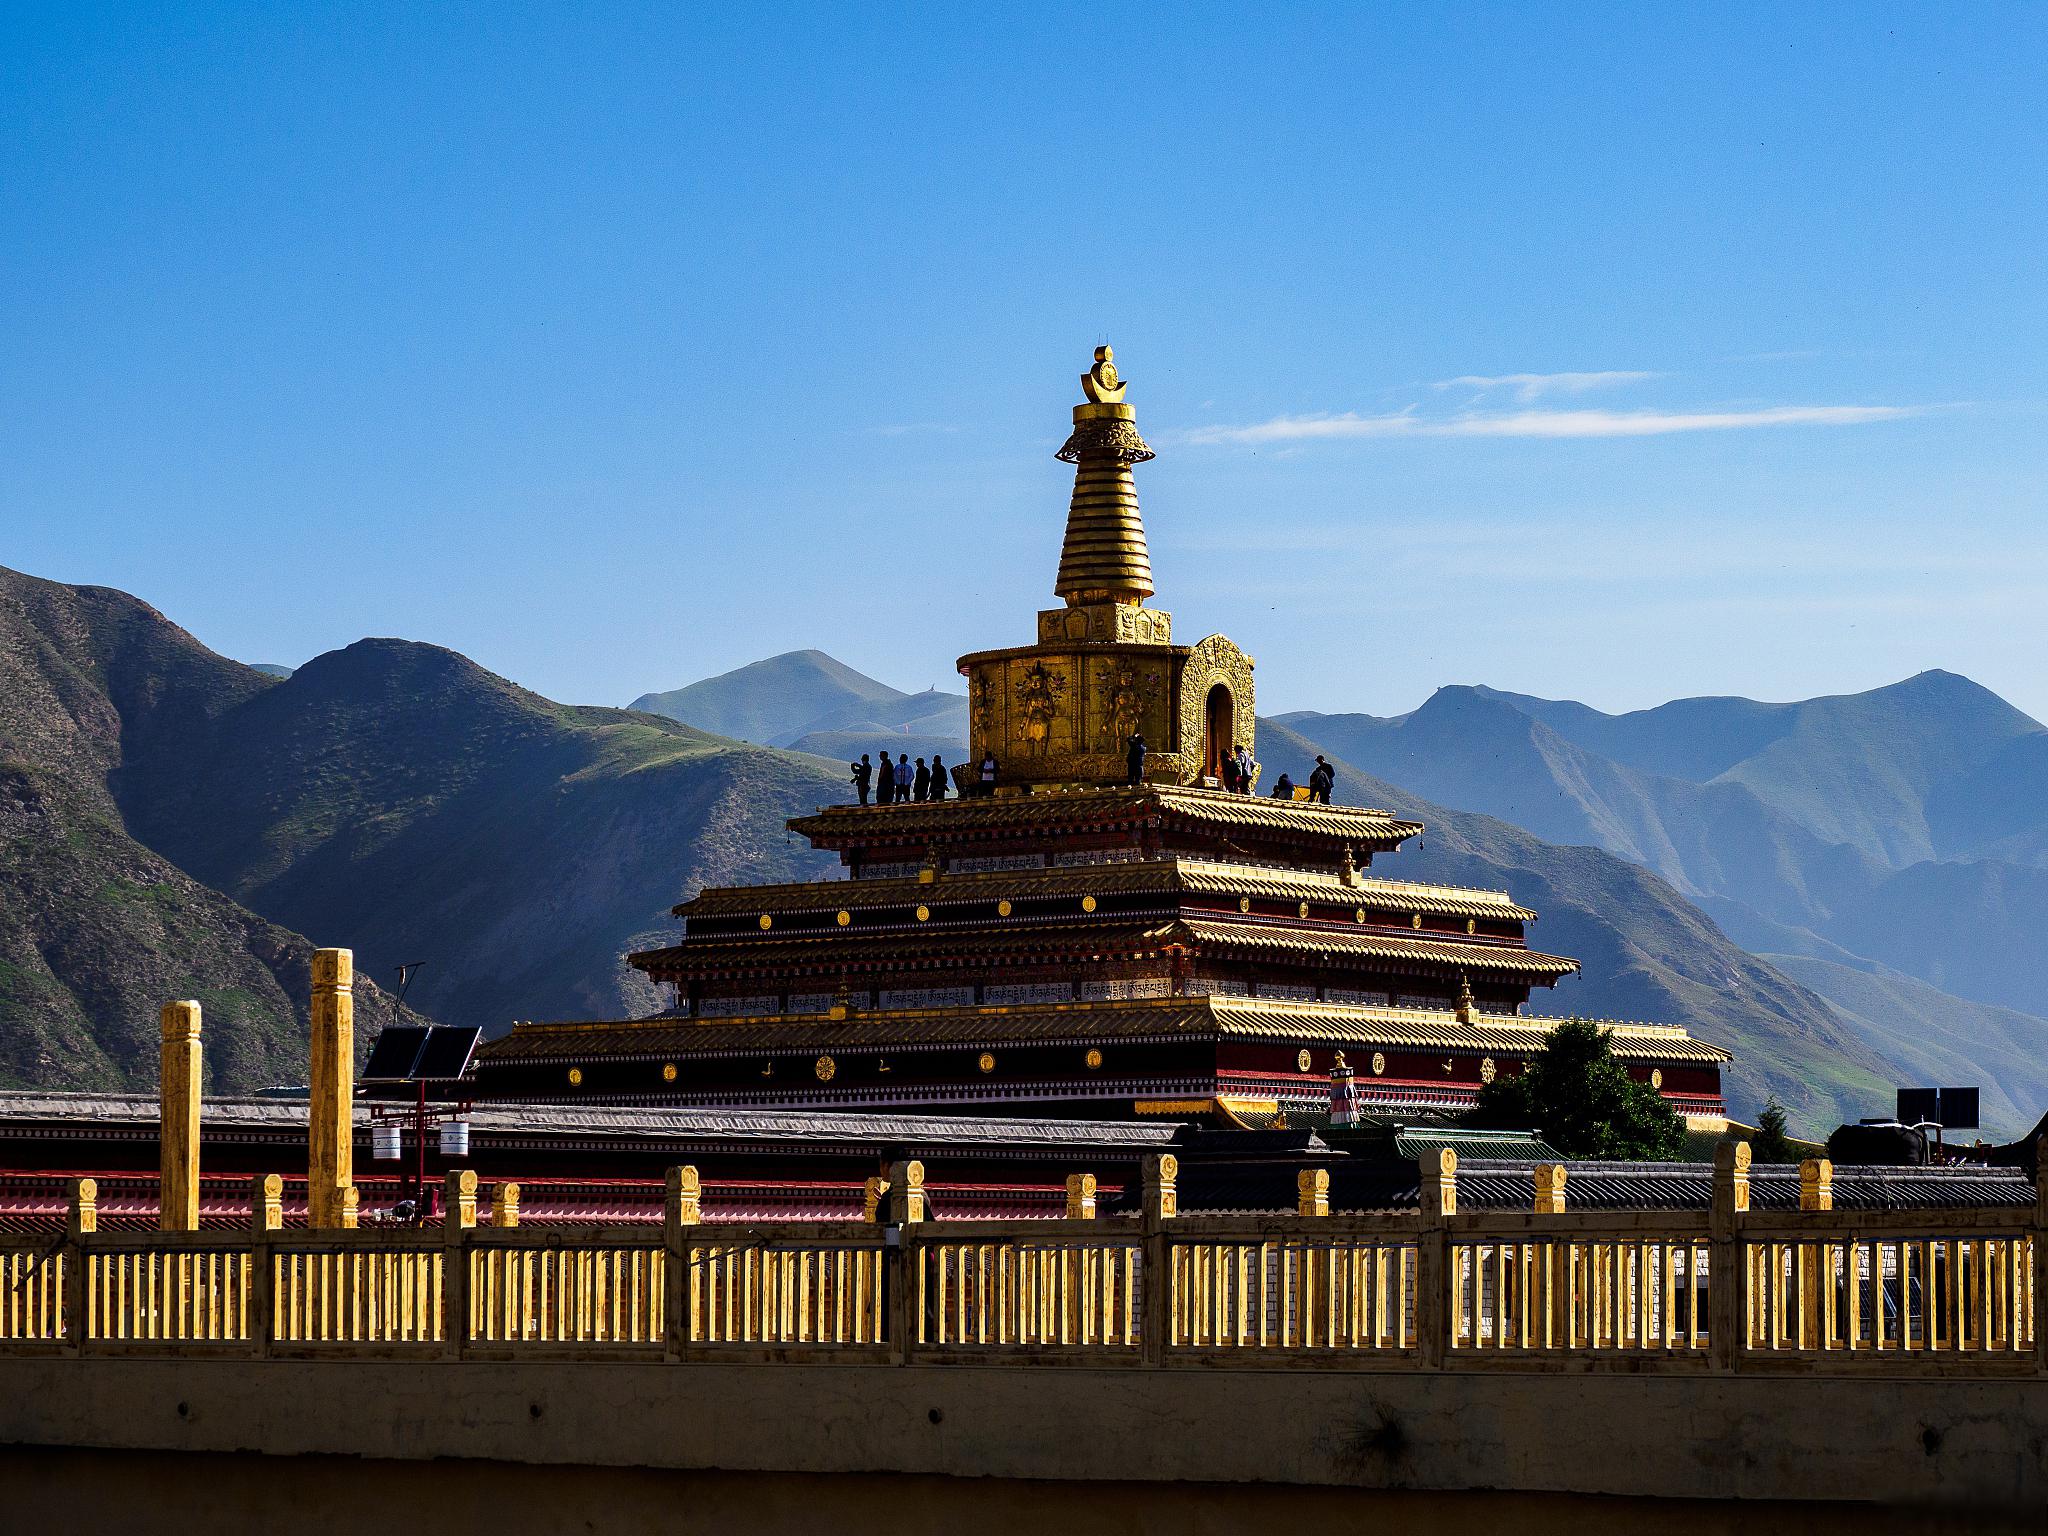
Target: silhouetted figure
column 1283, row 788
column 1229, row 774
column 903, row 777
column 921, row 782
column 1134, row 758
column 988, row 773
column 1247, row 771
column 885, row 786
column 1321, row 780
column 863, row 776
column 938, row 778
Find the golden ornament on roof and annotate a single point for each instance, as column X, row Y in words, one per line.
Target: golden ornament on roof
column 1100, row 383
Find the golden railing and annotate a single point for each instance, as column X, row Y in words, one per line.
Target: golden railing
column 1847, row 1287
column 578, row 1286
column 1619, row 1284
column 1293, row 1285
column 1932, row 1291
column 818, row 1284
column 33, row 1279
column 1027, row 1285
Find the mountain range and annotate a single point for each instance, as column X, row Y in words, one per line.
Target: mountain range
column 1883, row 848
column 808, row 702
column 175, row 823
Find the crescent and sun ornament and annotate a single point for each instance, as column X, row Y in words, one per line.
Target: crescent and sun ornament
column 1100, row 383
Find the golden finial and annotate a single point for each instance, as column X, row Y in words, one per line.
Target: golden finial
column 1468, row 1009
column 1100, row 383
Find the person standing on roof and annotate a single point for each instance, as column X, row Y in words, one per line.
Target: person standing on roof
column 863, row 776
column 885, row 786
column 1321, row 780
column 1134, row 759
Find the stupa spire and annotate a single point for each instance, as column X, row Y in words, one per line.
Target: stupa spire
column 1104, row 558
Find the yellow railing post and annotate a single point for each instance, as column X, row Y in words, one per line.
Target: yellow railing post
column 682, row 1209
column 505, row 1205
column 2040, row 1245
column 1550, row 1301
column 1312, row 1192
column 905, row 1263
column 1815, row 1260
column 81, row 1220
column 178, row 1115
column 266, row 1215
column 330, row 1105
column 458, row 1221
column 1435, row 1317
column 1727, row 1309
column 873, row 1193
column 1080, row 1197
column 1081, row 1298
column 1312, row 1305
column 1161, row 1186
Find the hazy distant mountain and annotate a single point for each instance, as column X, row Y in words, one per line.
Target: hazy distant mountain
column 772, row 700
column 1901, row 830
column 1859, row 769
column 1935, row 1038
column 809, row 702
column 97, row 930
column 271, row 669
column 1647, row 953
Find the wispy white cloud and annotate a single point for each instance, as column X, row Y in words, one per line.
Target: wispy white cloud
column 1531, row 386
column 1548, row 423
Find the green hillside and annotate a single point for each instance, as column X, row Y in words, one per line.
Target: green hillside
column 1936, row 1039
column 97, row 930
column 402, row 797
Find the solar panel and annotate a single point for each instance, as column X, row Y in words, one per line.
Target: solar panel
column 1959, row 1109
column 395, row 1055
column 447, row 1052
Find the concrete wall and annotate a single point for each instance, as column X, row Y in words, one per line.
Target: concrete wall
column 1975, row 1444
column 116, row 1493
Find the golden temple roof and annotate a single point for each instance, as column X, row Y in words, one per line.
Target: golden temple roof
column 1191, row 1018
column 1098, row 805
column 1308, row 940
column 1196, row 876
column 935, row 941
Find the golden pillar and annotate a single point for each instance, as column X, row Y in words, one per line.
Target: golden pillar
column 178, row 1129
column 330, row 1133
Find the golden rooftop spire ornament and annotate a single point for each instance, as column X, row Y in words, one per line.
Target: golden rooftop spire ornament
column 1100, row 383
column 1105, row 673
column 1104, row 558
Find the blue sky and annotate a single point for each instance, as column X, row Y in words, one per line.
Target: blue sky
column 1600, row 352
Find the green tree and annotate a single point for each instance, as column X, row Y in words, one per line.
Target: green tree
column 1582, row 1100
column 1771, row 1144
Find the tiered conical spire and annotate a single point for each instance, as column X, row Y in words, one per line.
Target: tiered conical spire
column 1104, row 556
